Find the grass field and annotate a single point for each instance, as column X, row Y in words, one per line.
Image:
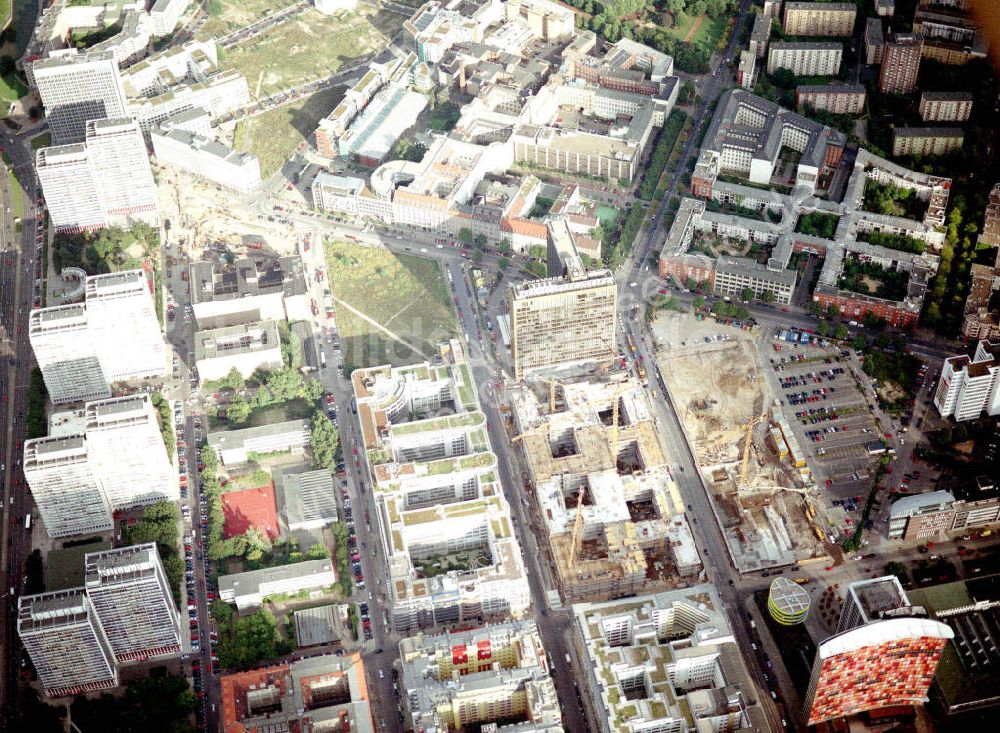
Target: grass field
column 309, row 46
column 11, row 88
column 234, row 14
column 707, row 35
column 41, row 141
column 16, row 202
column 404, row 294
column 607, row 215
column 274, row 135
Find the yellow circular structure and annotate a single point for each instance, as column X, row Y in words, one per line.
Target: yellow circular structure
column 788, row 602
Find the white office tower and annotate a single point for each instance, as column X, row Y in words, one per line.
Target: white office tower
column 133, row 602
column 63, row 637
column 68, row 492
column 75, row 89
column 69, row 187
column 123, row 326
column 66, row 354
column 123, row 178
column 126, row 451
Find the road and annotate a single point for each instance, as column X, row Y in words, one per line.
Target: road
column 16, row 284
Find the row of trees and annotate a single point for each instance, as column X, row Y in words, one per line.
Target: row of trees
column 282, row 385
column 665, row 143
column 35, row 424
column 341, row 556
column 324, row 442
column 159, row 524
column 166, row 423
column 246, row 640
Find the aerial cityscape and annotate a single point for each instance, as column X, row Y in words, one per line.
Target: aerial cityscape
column 500, row 366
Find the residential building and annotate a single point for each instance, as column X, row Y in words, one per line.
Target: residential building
column 920, row 516
column 760, row 34
column 131, row 597
column 562, row 320
column 589, row 482
column 245, row 348
column 990, row 235
column 70, row 191
column 445, row 528
column 125, row 447
column 874, row 42
column 248, row 590
column 234, row 446
column 117, row 155
column 205, row 158
column 76, row 89
column 310, row 501
column 970, row 387
column 745, row 75
column 805, row 58
column 885, row 8
column 70, row 361
column 839, row 99
column 165, row 14
column 229, row 295
column 945, row 106
column 819, row 19
column 66, row 487
column 951, row 30
column 884, row 654
column 733, row 275
column 122, row 322
column 476, row 677
column 324, row 693
column 977, row 505
column 107, row 181
column 67, row 646
column 926, row 140
column 900, row 63
column 547, row 20
column 665, row 662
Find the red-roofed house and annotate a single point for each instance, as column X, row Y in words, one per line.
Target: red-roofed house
column 250, row 508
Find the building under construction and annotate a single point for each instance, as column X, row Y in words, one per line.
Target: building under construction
column 613, row 515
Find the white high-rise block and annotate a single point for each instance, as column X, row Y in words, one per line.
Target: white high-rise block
column 66, row 354
column 75, row 89
column 67, row 490
column 130, row 593
column 68, row 184
column 127, row 452
column 123, row 325
column 123, row 178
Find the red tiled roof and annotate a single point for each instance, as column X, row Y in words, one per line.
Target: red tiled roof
column 250, row 508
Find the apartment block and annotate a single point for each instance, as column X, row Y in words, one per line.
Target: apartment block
column 122, row 322
column 125, row 447
column 165, row 14
column 496, row 673
column 242, row 293
column 952, row 31
column 945, row 106
column 234, row 446
column 67, row 646
column 445, row 527
column 547, row 20
column 246, row 348
column 991, row 219
column 819, row 19
column 745, row 76
column 69, row 359
column 839, row 99
column 900, row 63
column 805, row 58
column 562, row 320
column 665, row 662
column 205, row 158
column 874, row 42
column 733, row 275
column 926, row 140
column 969, row 387
column 106, row 181
column 76, row 89
column 66, row 486
column 921, row 516
column 133, row 602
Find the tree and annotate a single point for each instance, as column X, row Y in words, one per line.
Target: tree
column 257, row 543
column 840, row 332
column 317, row 551
column 480, row 241
column 505, row 248
column 823, row 328
column 746, row 295
column 238, row 410
column 767, row 297
column 465, row 236
column 832, row 311
column 698, row 303
column 503, row 263
column 324, row 442
column 859, row 343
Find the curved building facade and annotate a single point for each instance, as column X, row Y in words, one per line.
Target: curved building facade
column 880, row 664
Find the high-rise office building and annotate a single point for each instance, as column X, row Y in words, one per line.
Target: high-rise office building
column 106, row 181
column 66, row 488
column 562, row 320
column 64, row 639
column 970, row 387
column 126, row 450
column 75, row 89
column 66, row 354
column 115, row 335
column 123, row 324
column 68, row 183
column 901, row 63
column 118, row 159
column 131, row 596
column 884, row 654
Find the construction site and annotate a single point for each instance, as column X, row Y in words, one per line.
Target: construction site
column 762, row 491
column 605, row 498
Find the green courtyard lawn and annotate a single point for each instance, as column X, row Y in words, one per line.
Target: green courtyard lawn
column 403, row 294
column 274, row 135
column 309, row 46
column 707, row 34
column 11, row 87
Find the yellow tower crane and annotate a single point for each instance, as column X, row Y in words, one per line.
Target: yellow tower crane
column 575, row 538
column 744, row 467
column 553, row 383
